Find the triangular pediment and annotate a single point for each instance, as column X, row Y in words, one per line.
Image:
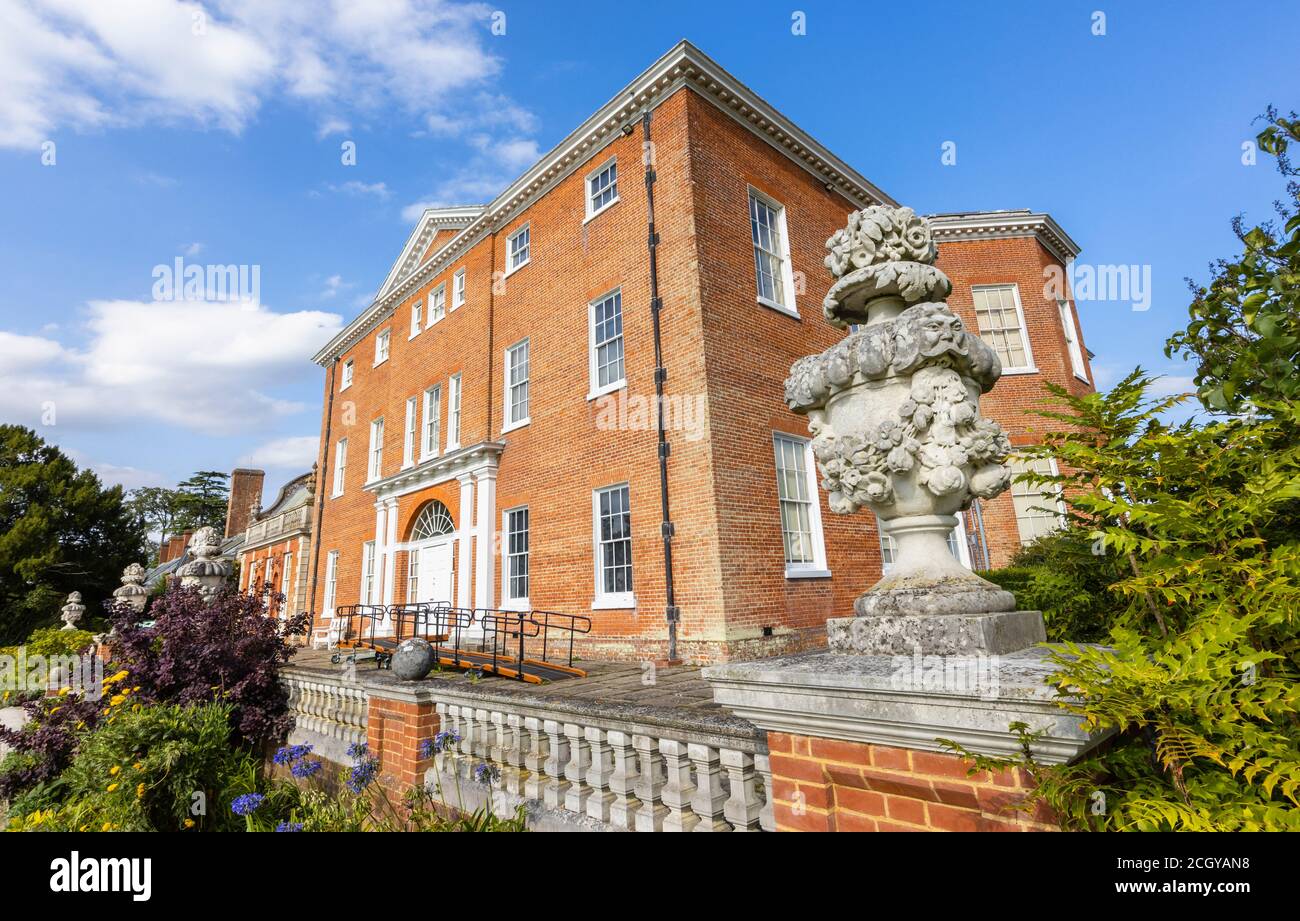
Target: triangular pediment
column 435, row 228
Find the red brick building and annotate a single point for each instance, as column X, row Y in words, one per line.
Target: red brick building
column 489, row 436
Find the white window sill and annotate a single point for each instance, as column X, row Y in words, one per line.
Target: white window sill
column 458, row 306
column 516, row 604
column 614, row 602
column 595, row 214
column 515, row 425
column 335, row 495
column 343, row 387
column 1082, row 377
column 798, row 572
column 779, row 308
column 380, row 362
column 1006, row 371
column 607, row 389
column 414, row 334
column 452, row 446
column 428, row 457
column 407, row 465
column 521, row 265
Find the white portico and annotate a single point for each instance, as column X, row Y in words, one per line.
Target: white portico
column 435, row 538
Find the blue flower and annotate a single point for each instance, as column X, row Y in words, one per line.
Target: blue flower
column 486, row 773
column 363, row 773
column 358, row 750
column 289, row 826
column 247, row 804
column 291, row 753
column 304, row 769
column 445, row 740
column 426, row 749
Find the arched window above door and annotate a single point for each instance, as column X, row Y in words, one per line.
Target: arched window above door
column 434, row 520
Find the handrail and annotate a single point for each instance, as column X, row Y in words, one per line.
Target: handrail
column 577, row 623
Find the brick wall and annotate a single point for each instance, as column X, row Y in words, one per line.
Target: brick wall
column 394, row 731
column 831, row 785
column 725, row 354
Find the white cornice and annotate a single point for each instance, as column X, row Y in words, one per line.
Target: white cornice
column 476, row 458
column 1003, row 225
column 432, row 221
column 683, row 66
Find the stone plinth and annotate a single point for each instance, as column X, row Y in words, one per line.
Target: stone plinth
column 855, row 739
column 993, row 634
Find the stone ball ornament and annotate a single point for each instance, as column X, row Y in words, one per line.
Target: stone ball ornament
column 894, row 414
column 413, row 659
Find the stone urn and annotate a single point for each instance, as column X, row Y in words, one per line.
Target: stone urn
column 413, row 659
column 73, row 611
column 894, row 413
column 205, row 571
column 132, row 591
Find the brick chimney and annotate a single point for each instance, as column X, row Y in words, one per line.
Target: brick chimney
column 245, row 492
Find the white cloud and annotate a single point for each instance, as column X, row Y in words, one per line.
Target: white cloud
column 331, row 126
column 356, row 188
column 69, row 64
column 191, row 249
column 333, row 285
column 205, row 367
column 297, row 452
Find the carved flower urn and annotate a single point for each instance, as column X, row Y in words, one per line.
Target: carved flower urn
column 893, row 409
column 132, row 591
column 72, row 611
column 205, row 571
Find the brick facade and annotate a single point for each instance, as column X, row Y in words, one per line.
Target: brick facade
column 726, row 357
column 831, row 785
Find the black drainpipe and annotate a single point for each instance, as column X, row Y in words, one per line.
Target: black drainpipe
column 316, row 530
column 671, row 612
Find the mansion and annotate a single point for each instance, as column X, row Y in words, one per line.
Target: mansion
column 488, row 435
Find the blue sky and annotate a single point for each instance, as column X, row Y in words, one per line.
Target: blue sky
column 211, row 131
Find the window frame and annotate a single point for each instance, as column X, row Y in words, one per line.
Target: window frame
column 340, row 467
column 790, row 309
column 345, row 377
column 458, row 289
column 509, row 602
column 410, row 432
column 375, row 456
column 1030, row 367
column 603, row 600
column 453, row 412
column 591, row 212
column 331, row 582
column 1061, row 517
column 384, row 338
column 416, row 316
column 507, row 406
column 439, row 294
column 1073, row 345
column 593, row 371
column 510, row 239
column 818, row 567
column 367, row 571
column 432, row 401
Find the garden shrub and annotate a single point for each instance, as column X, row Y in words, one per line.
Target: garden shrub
column 226, row 649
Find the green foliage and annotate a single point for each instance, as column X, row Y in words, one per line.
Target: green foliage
column 141, row 771
column 60, row 531
column 1244, row 333
column 201, row 501
column 1062, row 575
column 1198, row 682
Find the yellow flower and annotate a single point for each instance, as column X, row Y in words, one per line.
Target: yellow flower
column 139, row 765
column 63, row 692
column 112, row 787
column 54, row 710
column 83, row 828
column 114, row 770
column 108, row 826
column 136, row 689
column 189, row 823
column 116, row 699
column 139, row 791
column 114, row 679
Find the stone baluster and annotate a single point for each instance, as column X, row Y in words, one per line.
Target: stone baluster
column 466, row 732
column 539, row 748
column 576, row 770
column 743, row 806
column 623, row 782
column 483, row 729
column 497, row 743
column 763, row 765
column 677, row 792
column 557, row 759
column 598, row 774
column 515, row 747
column 709, row 798
column 650, row 784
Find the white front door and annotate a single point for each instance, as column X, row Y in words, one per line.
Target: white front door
column 435, row 582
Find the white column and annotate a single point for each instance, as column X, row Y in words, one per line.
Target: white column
column 377, row 586
column 465, row 534
column 485, row 539
column 390, row 555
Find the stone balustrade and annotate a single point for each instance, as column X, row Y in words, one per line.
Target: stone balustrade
column 617, row 773
column 290, row 522
column 330, row 713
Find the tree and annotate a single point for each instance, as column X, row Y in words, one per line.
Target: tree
column 60, row 531
column 202, row 501
column 158, row 507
